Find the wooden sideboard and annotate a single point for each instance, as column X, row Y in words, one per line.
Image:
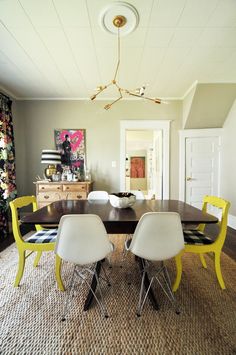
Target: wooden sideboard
column 48, row 192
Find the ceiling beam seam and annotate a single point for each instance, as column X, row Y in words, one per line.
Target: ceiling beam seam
column 46, row 48
column 69, row 44
column 24, row 51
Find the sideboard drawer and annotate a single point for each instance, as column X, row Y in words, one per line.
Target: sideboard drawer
column 49, row 196
column 43, row 204
column 52, row 187
column 76, row 196
column 73, row 188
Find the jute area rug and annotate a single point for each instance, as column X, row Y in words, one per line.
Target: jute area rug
column 30, row 314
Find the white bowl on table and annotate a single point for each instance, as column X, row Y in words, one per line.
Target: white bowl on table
column 122, row 199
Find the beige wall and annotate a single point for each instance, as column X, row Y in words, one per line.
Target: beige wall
column 228, row 175
column 210, row 105
column 35, row 121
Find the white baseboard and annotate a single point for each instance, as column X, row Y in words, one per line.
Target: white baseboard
column 232, row 221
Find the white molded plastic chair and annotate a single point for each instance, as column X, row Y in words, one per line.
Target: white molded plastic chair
column 103, row 196
column 98, row 195
column 157, row 237
column 83, row 240
column 139, row 194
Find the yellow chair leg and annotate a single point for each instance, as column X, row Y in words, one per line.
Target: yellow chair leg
column 218, row 271
column 178, row 272
column 37, row 258
column 58, row 274
column 203, row 261
column 21, row 266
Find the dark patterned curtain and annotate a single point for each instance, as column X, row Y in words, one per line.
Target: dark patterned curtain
column 7, row 163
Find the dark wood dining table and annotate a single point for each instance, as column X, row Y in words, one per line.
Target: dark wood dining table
column 116, row 221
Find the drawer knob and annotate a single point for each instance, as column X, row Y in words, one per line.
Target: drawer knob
column 79, row 196
column 67, row 187
column 42, row 188
column 46, row 196
column 58, row 188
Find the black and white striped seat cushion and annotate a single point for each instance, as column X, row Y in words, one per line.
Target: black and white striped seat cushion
column 192, row 236
column 43, row 236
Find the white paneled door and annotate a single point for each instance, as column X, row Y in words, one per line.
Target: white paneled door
column 202, row 168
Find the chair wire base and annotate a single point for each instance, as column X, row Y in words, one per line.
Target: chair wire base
column 81, row 273
column 127, row 240
column 105, row 278
column 109, row 257
column 161, row 275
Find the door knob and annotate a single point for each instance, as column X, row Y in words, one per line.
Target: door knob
column 189, row 178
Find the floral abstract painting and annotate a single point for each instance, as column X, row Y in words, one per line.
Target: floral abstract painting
column 137, row 167
column 71, row 144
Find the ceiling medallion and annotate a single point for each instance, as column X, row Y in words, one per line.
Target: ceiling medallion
column 121, row 18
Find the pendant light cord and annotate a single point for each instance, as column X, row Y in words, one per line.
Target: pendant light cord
column 118, row 62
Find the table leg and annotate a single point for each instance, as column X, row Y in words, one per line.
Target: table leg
column 90, row 296
column 151, row 294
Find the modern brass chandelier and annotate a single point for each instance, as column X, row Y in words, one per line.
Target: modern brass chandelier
column 119, row 22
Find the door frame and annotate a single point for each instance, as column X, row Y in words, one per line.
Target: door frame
column 198, row 133
column 164, row 126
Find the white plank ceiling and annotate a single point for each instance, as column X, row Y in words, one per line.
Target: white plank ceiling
column 57, row 49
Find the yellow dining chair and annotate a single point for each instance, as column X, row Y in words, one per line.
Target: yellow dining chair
column 39, row 241
column 196, row 241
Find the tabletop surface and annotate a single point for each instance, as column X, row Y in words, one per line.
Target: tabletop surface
column 117, row 220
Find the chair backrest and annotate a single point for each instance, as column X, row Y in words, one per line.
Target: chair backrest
column 139, row 194
column 98, row 195
column 82, row 239
column 158, row 236
column 15, row 205
column 223, row 207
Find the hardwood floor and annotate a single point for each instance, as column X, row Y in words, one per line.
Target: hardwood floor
column 6, row 242
column 229, row 246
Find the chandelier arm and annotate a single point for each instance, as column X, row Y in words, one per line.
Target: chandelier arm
column 122, row 89
column 118, row 87
column 157, row 101
column 109, row 105
column 118, row 60
column 101, row 90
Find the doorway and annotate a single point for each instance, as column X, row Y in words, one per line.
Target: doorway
column 144, row 157
column 144, row 162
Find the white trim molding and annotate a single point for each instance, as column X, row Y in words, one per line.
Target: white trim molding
column 194, row 84
column 164, row 126
column 232, row 221
column 188, row 133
